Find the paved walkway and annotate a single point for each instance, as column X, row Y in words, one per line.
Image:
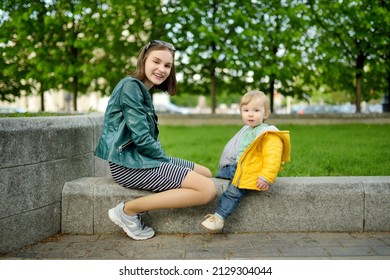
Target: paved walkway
column 268, row 246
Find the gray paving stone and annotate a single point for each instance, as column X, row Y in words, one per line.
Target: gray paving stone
column 351, row 251
column 382, row 250
column 265, row 251
column 363, row 246
column 299, row 251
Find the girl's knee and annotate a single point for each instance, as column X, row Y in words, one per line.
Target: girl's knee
column 210, row 191
column 207, row 173
column 203, row 170
column 204, row 187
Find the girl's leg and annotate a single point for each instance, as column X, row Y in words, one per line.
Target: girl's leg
column 202, row 170
column 196, row 189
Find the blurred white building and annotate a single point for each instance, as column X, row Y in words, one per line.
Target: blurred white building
column 60, row 101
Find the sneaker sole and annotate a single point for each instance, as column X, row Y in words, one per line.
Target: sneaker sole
column 118, row 222
column 210, row 230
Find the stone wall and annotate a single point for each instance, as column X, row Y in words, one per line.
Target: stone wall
column 37, row 156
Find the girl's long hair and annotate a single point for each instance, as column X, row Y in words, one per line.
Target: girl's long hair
column 170, row 83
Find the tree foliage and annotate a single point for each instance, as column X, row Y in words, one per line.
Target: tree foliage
column 275, row 45
column 223, row 47
column 78, row 45
column 352, row 35
column 207, row 35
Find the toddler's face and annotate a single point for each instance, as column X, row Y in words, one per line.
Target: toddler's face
column 253, row 113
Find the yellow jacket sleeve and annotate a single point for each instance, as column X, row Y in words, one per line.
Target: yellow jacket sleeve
column 271, row 151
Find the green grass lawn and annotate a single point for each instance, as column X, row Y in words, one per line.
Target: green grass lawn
column 321, row 150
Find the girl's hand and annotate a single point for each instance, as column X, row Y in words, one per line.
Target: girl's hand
column 262, row 185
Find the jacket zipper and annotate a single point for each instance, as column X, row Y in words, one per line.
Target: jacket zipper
column 123, row 146
column 115, row 139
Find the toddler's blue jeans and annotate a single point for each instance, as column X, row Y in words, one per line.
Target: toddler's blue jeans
column 232, row 196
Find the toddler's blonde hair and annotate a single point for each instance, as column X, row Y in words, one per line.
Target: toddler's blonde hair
column 250, row 95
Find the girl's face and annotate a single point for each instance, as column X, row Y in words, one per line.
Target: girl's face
column 253, row 113
column 158, row 66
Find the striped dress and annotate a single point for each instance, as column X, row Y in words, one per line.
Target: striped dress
column 169, row 175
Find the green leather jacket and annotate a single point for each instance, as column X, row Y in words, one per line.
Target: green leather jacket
column 130, row 134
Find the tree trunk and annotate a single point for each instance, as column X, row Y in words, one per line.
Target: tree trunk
column 361, row 58
column 42, row 101
column 213, row 91
column 388, row 85
column 358, row 92
column 386, row 97
column 75, row 92
column 271, row 93
column 213, row 80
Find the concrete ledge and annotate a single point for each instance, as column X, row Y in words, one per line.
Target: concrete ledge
column 294, row 204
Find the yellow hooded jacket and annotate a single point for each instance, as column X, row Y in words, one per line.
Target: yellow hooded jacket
column 264, row 158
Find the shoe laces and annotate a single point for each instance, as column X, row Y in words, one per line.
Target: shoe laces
column 141, row 223
column 211, row 217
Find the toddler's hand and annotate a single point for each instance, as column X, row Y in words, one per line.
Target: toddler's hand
column 262, row 185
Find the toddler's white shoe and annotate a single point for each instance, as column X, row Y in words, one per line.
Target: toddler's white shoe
column 213, row 223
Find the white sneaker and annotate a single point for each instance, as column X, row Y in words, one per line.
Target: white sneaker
column 213, row 223
column 132, row 225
